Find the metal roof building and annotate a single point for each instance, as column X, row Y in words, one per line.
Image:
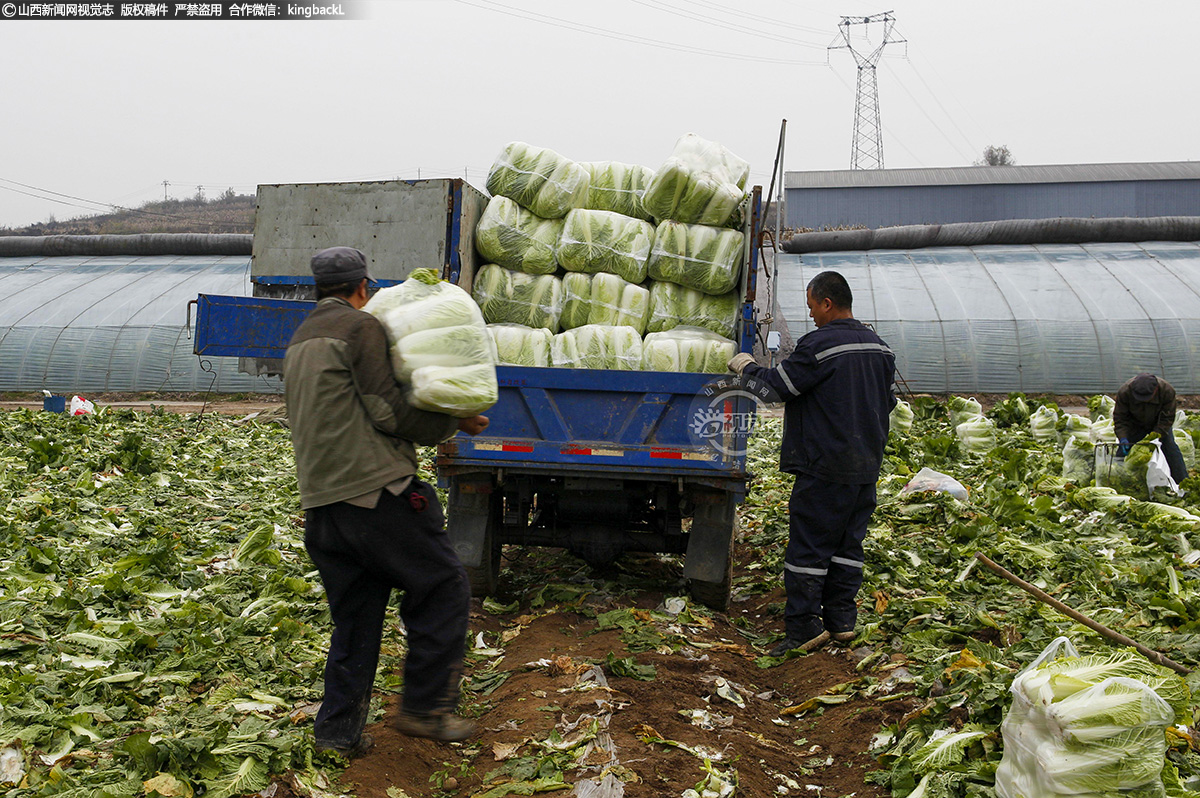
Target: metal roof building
column 889, row 197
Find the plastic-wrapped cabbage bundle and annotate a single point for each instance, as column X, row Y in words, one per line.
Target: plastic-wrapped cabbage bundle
column 701, row 183
column 687, row 349
column 705, row 258
column 1077, row 427
column 538, row 179
column 1102, row 430
column 439, row 343
column 603, row 241
column 1079, row 462
column 515, row 238
column 508, row 297
column 1100, row 406
column 1187, row 447
column 577, row 299
column 1043, row 424
column 595, row 346
column 977, row 434
column 518, row 345
column 900, row 420
column 617, row 187
column 672, row 304
column 604, row 299
column 962, row 409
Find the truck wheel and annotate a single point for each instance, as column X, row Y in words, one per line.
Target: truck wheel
column 486, row 576
column 708, row 566
column 473, row 523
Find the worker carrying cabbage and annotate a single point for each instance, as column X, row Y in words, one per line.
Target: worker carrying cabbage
column 838, row 389
column 370, row 524
column 1146, row 404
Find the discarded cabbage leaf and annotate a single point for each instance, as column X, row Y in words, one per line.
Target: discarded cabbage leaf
column 538, row 179
column 617, row 187
column 515, row 238
column 603, row 241
column 705, row 258
column 509, row 297
column 518, row 345
column 672, row 305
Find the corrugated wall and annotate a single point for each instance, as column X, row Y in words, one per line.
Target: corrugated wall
column 887, row 206
column 1037, row 318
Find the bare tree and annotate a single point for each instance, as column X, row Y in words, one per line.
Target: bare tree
column 996, row 156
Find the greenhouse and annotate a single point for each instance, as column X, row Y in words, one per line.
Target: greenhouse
column 114, row 323
column 1052, row 318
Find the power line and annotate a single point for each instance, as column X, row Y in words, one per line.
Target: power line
column 891, row 133
column 670, row 9
column 104, row 206
column 867, row 149
column 579, row 27
column 921, row 108
column 741, row 14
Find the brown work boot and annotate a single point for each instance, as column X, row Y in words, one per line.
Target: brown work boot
column 444, row 726
column 842, row 637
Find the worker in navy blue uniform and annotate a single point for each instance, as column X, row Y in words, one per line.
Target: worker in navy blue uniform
column 838, row 390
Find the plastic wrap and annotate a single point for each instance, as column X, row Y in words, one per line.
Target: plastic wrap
column 705, row 258
column 900, row 420
column 701, row 183
column 538, row 179
column 1043, row 424
column 509, row 297
column 438, row 343
column 1102, row 430
column 1078, row 427
column 977, row 435
column 672, row 305
column 604, row 299
column 1187, row 447
column 518, row 345
column 512, row 237
column 1079, row 462
column 617, row 187
column 1101, row 406
column 603, row 241
column 595, row 346
column 690, row 349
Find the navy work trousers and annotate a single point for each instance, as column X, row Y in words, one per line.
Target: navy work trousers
column 823, row 567
column 362, row 555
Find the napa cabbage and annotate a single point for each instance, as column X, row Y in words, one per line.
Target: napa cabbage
column 509, row 297
column 515, row 238
column 617, row 187
column 1077, row 427
column 672, row 305
column 1187, row 447
column 1102, row 430
column 901, row 418
column 1079, row 462
column 701, row 183
column 687, row 349
column 603, row 241
column 462, row 391
column 962, row 408
column 538, row 179
column 460, row 345
column 518, row 345
column 977, row 434
column 596, row 346
column 705, row 258
column 1100, row 406
column 1043, row 424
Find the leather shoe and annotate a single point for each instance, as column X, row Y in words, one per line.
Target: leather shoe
column 791, row 644
column 364, row 744
column 444, row 726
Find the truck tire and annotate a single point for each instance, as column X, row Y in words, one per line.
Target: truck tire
column 708, row 566
column 485, row 578
column 473, row 523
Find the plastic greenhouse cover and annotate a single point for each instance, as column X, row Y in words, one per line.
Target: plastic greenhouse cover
column 114, row 323
column 1058, row 318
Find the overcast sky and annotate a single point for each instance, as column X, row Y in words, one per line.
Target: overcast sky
column 104, row 112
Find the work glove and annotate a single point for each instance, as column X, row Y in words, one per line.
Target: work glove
column 738, row 363
column 1123, row 447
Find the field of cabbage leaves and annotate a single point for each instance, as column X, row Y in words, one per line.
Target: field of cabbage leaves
column 162, row 630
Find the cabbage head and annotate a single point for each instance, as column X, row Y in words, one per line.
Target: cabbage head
column 617, row 187
column 603, row 241
column 577, row 299
column 977, row 435
column 618, row 303
column 460, row 345
column 509, row 297
column 672, row 305
column 1102, row 430
column 705, row 258
column 462, row 391
column 538, row 179
column 518, row 345
column 687, row 349
column 900, row 420
column 1010, row 412
column 515, row 238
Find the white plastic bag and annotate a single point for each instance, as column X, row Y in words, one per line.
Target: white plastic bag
column 81, row 406
column 1158, row 472
column 928, row 479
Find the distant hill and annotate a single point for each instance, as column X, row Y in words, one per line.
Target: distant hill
column 228, row 213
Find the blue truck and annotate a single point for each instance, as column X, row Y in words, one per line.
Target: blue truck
column 596, row 461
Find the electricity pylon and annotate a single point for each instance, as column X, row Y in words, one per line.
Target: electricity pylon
column 867, row 152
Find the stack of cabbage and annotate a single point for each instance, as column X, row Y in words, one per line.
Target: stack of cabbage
column 617, row 187
column 701, row 183
column 538, row 179
column 439, row 344
column 603, row 241
column 604, row 299
column 672, row 305
column 696, row 256
column 596, row 346
column 515, row 238
column 686, row 349
column 518, row 345
column 1091, row 725
column 508, row 297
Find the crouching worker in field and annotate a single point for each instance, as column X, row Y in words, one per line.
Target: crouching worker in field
column 1147, row 404
column 838, row 389
column 370, row 525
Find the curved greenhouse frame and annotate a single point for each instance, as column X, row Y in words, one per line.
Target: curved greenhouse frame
column 114, row 323
column 1050, row 318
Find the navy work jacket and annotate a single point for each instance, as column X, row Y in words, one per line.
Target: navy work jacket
column 838, row 386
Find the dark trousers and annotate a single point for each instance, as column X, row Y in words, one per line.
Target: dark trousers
column 362, row 554
column 823, row 567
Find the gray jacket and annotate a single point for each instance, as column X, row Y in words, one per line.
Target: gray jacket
column 352, row 429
